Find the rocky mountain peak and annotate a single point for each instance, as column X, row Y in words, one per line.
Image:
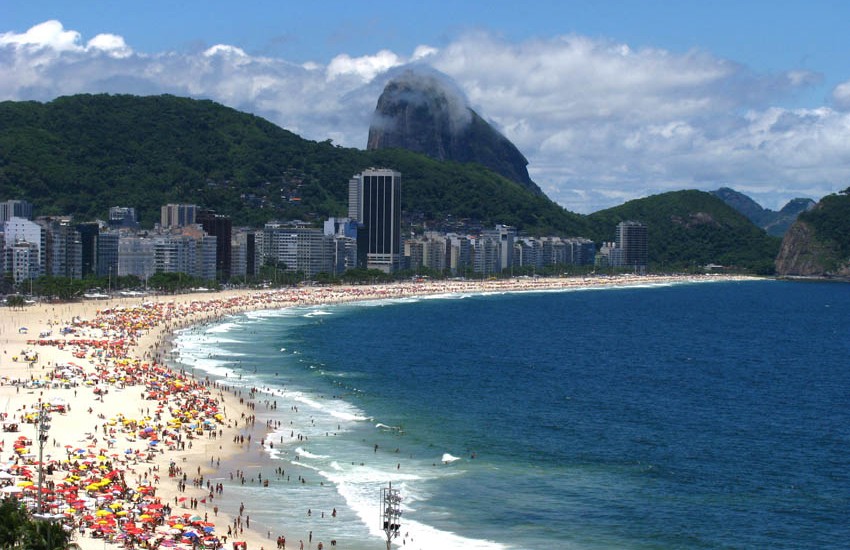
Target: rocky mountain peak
column 426, row 113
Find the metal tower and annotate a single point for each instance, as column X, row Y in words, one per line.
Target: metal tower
column 390, row 513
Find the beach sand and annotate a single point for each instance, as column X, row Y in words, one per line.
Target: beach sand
column 101, row 366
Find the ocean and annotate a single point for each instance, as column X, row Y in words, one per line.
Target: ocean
column 704, row 415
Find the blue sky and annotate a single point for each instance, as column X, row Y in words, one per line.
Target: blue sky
column 608, row 100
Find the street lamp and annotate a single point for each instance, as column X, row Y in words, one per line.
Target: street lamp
column 390, row 513
column 43, row 426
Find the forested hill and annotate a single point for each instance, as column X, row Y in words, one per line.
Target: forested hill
column 692, row 228
column 818, row 244
column 82, row 154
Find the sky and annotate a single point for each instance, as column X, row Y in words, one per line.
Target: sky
column 608, row 100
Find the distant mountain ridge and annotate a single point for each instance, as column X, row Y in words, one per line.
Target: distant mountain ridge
column 423, row 112
column 692, row 228
column 775, row 223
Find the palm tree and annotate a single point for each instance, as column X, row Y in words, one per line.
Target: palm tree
column 12, row 521
column 18, row 530
column 46, row 535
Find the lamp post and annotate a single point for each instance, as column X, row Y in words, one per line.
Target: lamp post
column 43, row 426
column 390, row 513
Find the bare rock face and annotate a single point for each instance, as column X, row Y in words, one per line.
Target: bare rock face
column 803, row 255
column 424, row 112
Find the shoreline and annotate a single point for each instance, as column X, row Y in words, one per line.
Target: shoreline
column 130, row 345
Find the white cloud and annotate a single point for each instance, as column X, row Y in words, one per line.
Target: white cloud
column 110, row 44
column 50, row 34
column 365, row 68
column 600, row 122
column 225, row 50
column 841, row 96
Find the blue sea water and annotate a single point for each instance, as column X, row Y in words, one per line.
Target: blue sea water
column 677, row 416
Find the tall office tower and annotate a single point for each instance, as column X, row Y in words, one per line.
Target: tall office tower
column 107, row 255
column 379, row 211
column 15, row 209
column 177, row 215
column 632, row 240
column 221, row 227
column 88, row 252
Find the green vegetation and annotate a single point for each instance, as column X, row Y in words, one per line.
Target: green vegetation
column 688, row 229
column 178, row 282
column 18, row 529
column 82, row 154
column 830, row 220
column 16, row 302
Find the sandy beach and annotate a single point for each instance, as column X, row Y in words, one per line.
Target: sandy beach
column 132, row 443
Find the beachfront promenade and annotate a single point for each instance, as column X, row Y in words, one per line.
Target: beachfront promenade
column 131, row 440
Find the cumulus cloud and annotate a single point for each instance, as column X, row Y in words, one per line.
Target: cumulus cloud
column 599, row 121
column 841, row 96
column 365, row 68
column 50, row 34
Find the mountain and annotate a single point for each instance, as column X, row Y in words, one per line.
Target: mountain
column 818, row 243
column 775, row 223
column 423, row 112
column 82, row 154
column 692, row 228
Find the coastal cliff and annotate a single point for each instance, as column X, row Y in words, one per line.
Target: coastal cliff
column 818, row 243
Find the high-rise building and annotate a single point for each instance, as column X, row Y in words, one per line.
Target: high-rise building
column 355, row 205
column 15, row 209
column 504, row 235
column 190, row 251
column 344, row 233
column 459, row 252
column 221, row 228
column 88, row 239
column 486, row 255
column 246, row 253
column 107, row 254
column 24, row 249
column 64, row 248
column 379, row 210
column 177, row 215
column 135, row 255
column 296, row 247
column 632, row 240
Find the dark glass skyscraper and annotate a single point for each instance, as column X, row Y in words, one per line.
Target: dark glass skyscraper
column 380, row 213
column 221, row 228
column 632, row 239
